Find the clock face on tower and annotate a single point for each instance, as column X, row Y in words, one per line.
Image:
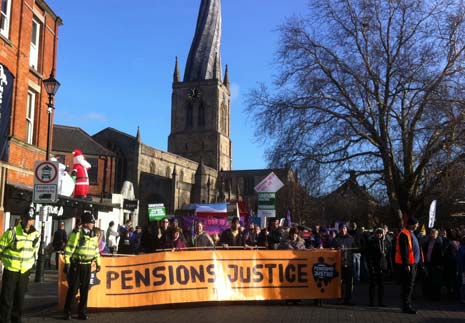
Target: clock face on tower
column 193, row 93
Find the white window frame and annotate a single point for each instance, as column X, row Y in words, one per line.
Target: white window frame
column 5, row 17
column 35, row 45
column 30, row 109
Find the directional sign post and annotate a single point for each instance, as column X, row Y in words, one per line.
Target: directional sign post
column 45, row 182
column 266, row 190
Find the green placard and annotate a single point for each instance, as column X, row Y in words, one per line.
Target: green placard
column 157, row 212
column 266, row 201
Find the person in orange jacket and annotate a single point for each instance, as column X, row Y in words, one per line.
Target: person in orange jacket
column 408, row 257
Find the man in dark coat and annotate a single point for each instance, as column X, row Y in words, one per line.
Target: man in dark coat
column 377, row 254
column 345, row 243
column 60, row 239
column 434, row 265
column 232, row 237
column 275, row 234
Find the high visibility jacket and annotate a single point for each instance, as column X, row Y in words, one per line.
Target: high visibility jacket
column 410, row 254
column 82, row 248
column 18, row 248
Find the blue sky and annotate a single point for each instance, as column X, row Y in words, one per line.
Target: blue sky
column 116, row 60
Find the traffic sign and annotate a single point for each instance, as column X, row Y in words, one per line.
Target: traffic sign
column 45, row 182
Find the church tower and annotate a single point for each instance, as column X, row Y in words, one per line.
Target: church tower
column 200, row 104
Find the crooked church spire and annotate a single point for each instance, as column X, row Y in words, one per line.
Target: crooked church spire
column 204, row 57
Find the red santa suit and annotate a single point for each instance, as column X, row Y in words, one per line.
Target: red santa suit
column 80, row 168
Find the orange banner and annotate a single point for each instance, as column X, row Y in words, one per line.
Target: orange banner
column 214, row 275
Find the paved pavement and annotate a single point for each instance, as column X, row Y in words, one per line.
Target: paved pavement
column 41, row 306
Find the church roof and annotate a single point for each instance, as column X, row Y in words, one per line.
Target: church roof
column 66, row 139
column 203, row 62
column 111, row 129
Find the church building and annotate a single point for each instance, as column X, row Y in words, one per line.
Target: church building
column 197, row 168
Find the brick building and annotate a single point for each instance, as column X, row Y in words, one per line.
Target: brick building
column 28, row 42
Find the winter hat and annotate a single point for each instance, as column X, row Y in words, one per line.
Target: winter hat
column 412, row 221
column 77, row 153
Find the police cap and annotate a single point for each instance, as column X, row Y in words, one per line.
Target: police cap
column 29, row 215
column 87, row 217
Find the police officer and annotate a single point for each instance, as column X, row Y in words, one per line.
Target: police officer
column 18, row 247
column 80, row 252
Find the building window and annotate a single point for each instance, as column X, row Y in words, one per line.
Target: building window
column 5, row 17
column 93, row 171
column 31, row 106
column 35, row 43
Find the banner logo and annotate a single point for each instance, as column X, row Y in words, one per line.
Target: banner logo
column 324, row 273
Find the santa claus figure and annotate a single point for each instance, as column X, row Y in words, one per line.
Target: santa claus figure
column 80, row 175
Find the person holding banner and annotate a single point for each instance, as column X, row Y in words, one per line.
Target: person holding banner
column 293, row 242
column 81, row 250
column 232, row 237
column 202, row 239
column 275, row 234
column 175, row 242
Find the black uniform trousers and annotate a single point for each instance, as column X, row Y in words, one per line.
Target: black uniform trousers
column 407, row 280
column 14, row 286
column 78, row 278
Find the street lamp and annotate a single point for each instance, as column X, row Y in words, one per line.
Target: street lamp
column 51, row 87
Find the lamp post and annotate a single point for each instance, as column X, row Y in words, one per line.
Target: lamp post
column 51, row 87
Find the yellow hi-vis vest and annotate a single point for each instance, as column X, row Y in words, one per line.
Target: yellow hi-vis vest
column 18, row 248
column 82, row 248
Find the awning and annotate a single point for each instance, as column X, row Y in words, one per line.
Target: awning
column 19, row 198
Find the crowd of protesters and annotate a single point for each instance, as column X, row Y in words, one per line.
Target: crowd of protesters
column 367, row 255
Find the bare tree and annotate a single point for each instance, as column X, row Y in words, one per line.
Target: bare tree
column 374, row 86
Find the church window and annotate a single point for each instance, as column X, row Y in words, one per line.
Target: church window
column 152, row 167
column 168, row 172
column 189, row 116
column 224, row 118
column 201, row 120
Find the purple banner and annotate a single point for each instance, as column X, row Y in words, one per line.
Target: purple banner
column 210, row 225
